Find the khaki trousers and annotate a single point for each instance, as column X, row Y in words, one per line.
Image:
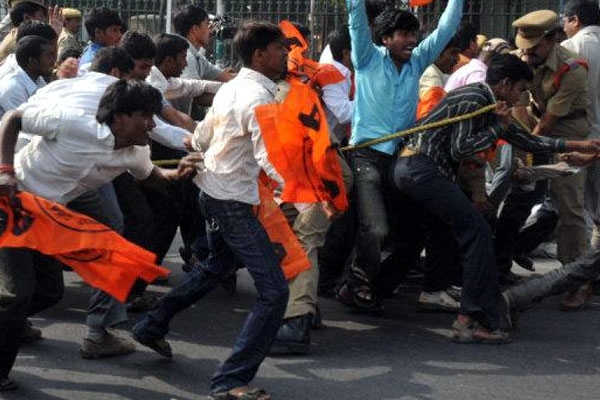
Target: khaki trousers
column 310, row 226
column 567, row 195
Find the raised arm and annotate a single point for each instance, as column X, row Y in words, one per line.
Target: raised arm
column 360, row 34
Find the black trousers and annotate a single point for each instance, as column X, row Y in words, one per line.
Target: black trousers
column 420, row 179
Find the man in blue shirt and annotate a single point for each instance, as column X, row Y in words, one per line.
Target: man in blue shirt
column 387, row 81
column 104, row 27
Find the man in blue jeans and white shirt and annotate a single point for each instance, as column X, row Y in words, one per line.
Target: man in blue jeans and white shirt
column 387, row 81
column 234, row 155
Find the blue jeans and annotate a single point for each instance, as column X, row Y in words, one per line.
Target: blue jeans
column 421, row 179
column 374, row 194
column 230, row 225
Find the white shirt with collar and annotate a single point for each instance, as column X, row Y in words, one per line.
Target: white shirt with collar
column 16, row 88
column 338, row 106
column 230, row 137
column 586, row 43
column 73, row 154
column 9, row 65
column 177, row 88
column 84, row 92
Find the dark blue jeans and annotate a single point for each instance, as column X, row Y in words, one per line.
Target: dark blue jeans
column 373, row 193
column 421, row 179
column 230, row 225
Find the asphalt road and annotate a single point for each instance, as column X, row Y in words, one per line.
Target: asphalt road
column 403, row 354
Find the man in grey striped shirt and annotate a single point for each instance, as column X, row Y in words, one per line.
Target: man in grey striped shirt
column 426, row 172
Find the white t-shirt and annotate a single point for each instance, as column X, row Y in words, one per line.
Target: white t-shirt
column 73, row 154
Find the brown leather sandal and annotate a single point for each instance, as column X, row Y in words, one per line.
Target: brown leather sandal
column 474, row 332
column 242, row 393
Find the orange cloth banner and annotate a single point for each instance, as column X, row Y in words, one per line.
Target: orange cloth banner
column 288, row 248
column 296, row 136
column 102, row 257
column 430, row 99
column 419, row 3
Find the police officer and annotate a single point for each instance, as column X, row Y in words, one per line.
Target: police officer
column 561, row 98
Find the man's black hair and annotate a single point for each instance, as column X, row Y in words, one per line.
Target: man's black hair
column 18, row 12
column 509, row 66
column 127, row 97
column 36, row 28
column 587, row 11
column 139, row 45
column 111, row 57
column 168, row 45
column 467, row 34
column 253, row 36
column 30, row 47
column 376, row 7
column 339, row 40
column 185, row 19
column 73, row 53
column 101, row 18
column 392, row 20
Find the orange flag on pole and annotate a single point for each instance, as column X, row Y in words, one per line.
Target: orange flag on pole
column 102, row 257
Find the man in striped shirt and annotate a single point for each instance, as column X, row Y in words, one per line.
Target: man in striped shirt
column 426, row 172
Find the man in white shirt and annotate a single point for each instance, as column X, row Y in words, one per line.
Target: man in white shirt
column 73, row 156
column 35, row 58
column 170, row 61
column 581, row 20
column 234, row 155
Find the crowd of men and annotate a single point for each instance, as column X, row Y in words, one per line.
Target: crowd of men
column 504, row 127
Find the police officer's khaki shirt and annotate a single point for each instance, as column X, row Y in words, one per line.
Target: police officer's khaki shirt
column 569, row 101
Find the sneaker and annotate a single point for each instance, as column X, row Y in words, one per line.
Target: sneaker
column 437, row 301
column 455, row 292
column 7, row 384
column 112, row 345
column 30, row 333
column 161, row 346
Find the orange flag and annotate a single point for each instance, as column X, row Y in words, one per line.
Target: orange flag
column 296, row 136
column 287, row 246
column 431, row 99
column 317, row 74
column 102, row 257
column 419, row 3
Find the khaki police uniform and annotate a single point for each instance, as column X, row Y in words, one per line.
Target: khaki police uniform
column 569, row 102
column 9, row 43
column 68, row 40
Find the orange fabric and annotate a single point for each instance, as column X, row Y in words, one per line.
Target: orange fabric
column 285, row 242
column 326, row 74
column 102, row 257
column 296, row 136
column 419, row 3
column 297, row 63
column 431, row 99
